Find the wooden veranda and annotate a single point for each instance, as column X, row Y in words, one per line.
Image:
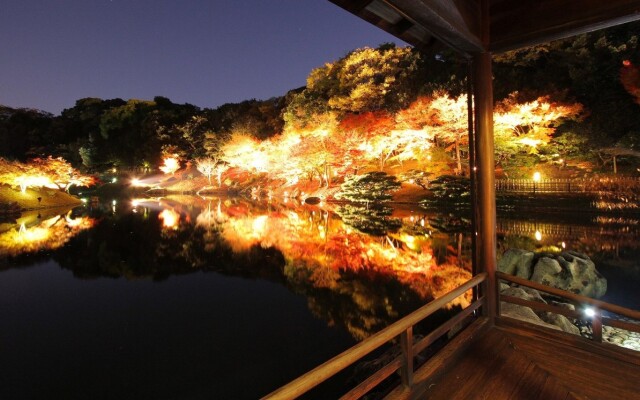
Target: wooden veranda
column 491, row 356
column 499, row 358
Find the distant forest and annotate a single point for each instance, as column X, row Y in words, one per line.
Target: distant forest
column 594, row 75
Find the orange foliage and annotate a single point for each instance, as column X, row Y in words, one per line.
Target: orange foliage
column 319, row 243
column 418, row 115
column 46, row 235
column 42, row 172
column 530, row 123
column 327, row 150
column 170, row 165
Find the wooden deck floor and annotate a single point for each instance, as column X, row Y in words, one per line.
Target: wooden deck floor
column 513, row 361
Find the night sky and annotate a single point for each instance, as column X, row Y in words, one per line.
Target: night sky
column 203, row 52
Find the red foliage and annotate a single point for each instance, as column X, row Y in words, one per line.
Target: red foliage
column 630, row 78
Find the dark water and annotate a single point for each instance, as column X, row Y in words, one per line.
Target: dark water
column 191, row 336
column 225, row 298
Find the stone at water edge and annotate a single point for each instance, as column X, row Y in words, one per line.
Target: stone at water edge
column 516, row 262
column 561, row 321
column 524, row 293
column 313, row 200
column 523, row 314
column 571, row 271
column 548, row 319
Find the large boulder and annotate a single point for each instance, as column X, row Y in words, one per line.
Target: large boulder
column 542, row 318
column 560, row 321
column 516, row 262
column 522, row 313
column 570, row 271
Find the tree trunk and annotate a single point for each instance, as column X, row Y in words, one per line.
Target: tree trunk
column 327, row 177
column 458, row 161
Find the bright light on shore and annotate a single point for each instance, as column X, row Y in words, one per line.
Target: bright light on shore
column 589, row 312
column 536, row 176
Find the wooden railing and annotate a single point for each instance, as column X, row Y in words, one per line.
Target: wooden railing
column 597, row 306
column 593, row 185
column 402, row 329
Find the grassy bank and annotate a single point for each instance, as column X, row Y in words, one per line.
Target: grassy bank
column 36, row 198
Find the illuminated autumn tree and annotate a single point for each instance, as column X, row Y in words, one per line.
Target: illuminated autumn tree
column 316, row 149
column 529, row 123
column 170, row 165
column 42, row 172
column 60, row 172
column 288, row 157
column 206, row 166
column 369, row 78
column 243, row 151
column 451, row 126
column 364, row 80
column 418, row 115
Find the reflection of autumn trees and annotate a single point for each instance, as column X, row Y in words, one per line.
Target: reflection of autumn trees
column 349, row 278
column 325, row 248
column 49, row 234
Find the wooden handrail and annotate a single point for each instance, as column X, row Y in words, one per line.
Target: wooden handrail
column 599, row 304
column 365, row 386
column 338, row 363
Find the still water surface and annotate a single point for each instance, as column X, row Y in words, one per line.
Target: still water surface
column 187, row 297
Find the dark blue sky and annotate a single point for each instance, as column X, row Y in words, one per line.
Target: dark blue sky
column 203, row 52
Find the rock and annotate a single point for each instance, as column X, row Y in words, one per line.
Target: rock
column 516, row 262
column 523, row 314
column 567, row 306
column 503, row 286
column 546, row 271
column 524, row 293
column 571, row 271
column 560, row 321
column 313, row 200
column 542, row 318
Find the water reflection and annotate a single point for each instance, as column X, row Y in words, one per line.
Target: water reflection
column 363, row 270
column 350, row 278
column 33, row 232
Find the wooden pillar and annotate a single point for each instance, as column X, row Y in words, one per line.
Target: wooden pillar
column 485, row 207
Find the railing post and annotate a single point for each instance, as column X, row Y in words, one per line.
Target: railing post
column 596, row 325
column 406, row 344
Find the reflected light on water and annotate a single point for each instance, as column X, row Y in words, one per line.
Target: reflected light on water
column 259, row 224
column 34, row 234
column 169, row 218
column 46, row 235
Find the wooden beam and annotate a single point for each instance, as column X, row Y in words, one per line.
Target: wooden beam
column 456, row 23
column 516, row 24
column 453, row 22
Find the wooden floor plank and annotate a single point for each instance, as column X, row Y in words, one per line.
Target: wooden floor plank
column 505, row 378
column 581, row 371
column 474, row 369
column 505, row 363
column 531, row 387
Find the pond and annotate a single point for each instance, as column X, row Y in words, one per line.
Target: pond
column 192, row 297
